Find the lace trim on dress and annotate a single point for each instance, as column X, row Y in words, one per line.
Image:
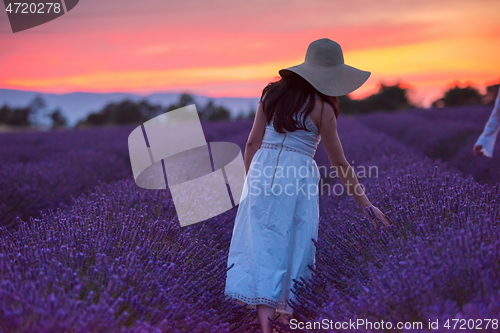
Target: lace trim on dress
column 274, row 146
column 312, row 126
column 252, row 302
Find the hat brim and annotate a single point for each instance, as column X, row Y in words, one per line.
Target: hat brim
column 330, row 80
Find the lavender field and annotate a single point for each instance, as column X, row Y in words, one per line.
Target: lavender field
column 83, row 249
column 446, row 134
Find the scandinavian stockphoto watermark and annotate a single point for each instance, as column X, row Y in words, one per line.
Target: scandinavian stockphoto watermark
column 306, row 180
column 204, row 179
column 26, row 14
column 360, row 324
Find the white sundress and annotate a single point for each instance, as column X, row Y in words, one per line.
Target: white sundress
column 276, row 221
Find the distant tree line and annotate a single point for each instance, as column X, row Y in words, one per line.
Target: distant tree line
column 210, row 112
column 395, row 97
column 468, row 95
column 131, row 112
column 387, row 98
column 28, row 116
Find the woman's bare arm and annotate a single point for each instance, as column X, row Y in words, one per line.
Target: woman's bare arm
column 255, row 137
column 335, row 152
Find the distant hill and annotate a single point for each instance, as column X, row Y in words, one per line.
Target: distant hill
column 76, row 106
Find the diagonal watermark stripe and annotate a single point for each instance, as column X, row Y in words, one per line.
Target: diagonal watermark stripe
column 204, row 181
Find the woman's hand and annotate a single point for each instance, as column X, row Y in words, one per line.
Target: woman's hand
column 478, row 150
column 373, row 214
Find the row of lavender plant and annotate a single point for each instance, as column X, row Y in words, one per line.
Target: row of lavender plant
column 25, row 147
column 446, row 134
column 45, row 170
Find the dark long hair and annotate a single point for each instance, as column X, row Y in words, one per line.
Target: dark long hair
column 284, row 99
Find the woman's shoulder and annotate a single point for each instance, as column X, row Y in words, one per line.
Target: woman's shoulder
column 316, row 113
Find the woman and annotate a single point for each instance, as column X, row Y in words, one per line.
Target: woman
column 278, row 215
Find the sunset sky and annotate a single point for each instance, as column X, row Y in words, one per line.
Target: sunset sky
column 234, row 48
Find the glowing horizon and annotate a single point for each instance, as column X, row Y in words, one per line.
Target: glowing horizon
column 234, row 49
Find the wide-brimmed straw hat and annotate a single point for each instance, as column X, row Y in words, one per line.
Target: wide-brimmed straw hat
column 325, row 70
